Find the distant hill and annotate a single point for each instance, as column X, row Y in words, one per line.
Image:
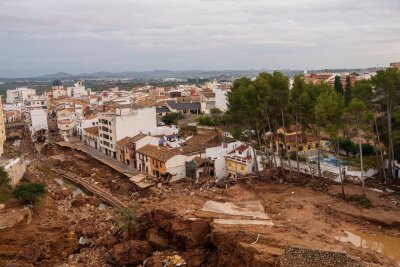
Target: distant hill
column 58, row 75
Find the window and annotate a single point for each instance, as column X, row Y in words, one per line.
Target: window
column 93, row 123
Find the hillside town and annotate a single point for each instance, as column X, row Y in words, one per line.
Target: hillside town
column 142, row 177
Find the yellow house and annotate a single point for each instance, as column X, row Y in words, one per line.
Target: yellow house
column 305, row 141
column 239, row 162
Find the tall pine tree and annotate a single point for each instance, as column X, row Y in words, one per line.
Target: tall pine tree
column 338, row 85
column 347, row 92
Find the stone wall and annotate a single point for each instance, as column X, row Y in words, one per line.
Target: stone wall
column 307, row 257
column 16, row 168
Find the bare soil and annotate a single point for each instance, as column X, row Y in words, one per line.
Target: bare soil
column 170, row 221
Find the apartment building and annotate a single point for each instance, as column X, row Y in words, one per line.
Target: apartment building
column 38, row 125
column 123, row 122
column 19, row 95
column 35, row 102
column 78, row 90
column 66, row 121
column 2, row 129
column 86, row 121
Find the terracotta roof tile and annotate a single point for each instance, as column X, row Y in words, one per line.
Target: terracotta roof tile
column 157, row 152
column 126, row 140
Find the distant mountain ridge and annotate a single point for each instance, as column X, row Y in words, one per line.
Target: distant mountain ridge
column 162, row 74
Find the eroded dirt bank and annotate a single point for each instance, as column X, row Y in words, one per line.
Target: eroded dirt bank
column 69, row 231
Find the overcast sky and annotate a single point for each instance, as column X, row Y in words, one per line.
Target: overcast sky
column 47, row 36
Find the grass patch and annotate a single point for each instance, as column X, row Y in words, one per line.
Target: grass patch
column 360, row 200
column 5, row 195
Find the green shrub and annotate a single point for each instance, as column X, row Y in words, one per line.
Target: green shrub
column 206, row 121
column 302, row 158
column 348, row 145
column 30, row 192
column 368, row 150
column 172, row 118
column 5, row 181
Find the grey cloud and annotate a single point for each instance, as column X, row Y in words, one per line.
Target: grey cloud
column 77, row 36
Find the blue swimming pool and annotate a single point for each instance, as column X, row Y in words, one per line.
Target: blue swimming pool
column 327, row 160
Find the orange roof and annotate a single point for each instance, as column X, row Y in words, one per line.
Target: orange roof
column 202, row 139
column 188, row 149
column 126, row 140
column 157, row 152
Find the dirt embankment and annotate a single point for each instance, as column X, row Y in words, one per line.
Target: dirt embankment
column 174, row 221
column 47, row 240
column 171, row 221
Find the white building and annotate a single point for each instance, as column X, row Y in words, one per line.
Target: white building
column 83, row 122
column 38, row 125
column 58, row 89
column 78, row 90
column 2, row 128
column 217, row 154
column 14, row 107
column 19, row 95
column 221, row 98
column 125, row 121
column 35, row 102
column 66, row 121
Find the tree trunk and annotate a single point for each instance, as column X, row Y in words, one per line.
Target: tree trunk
column 391, row 143
column 340, row 167
column 319, row 152
column 297, row 150
column 305, row 154
column 273, row 154
column 255, row 155
column 284, row 142
column 389, row 140
column 267, row 154
column 361, row 157
column 380, row 149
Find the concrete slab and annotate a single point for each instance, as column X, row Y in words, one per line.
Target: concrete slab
column 252, row 209
column 244, row 222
